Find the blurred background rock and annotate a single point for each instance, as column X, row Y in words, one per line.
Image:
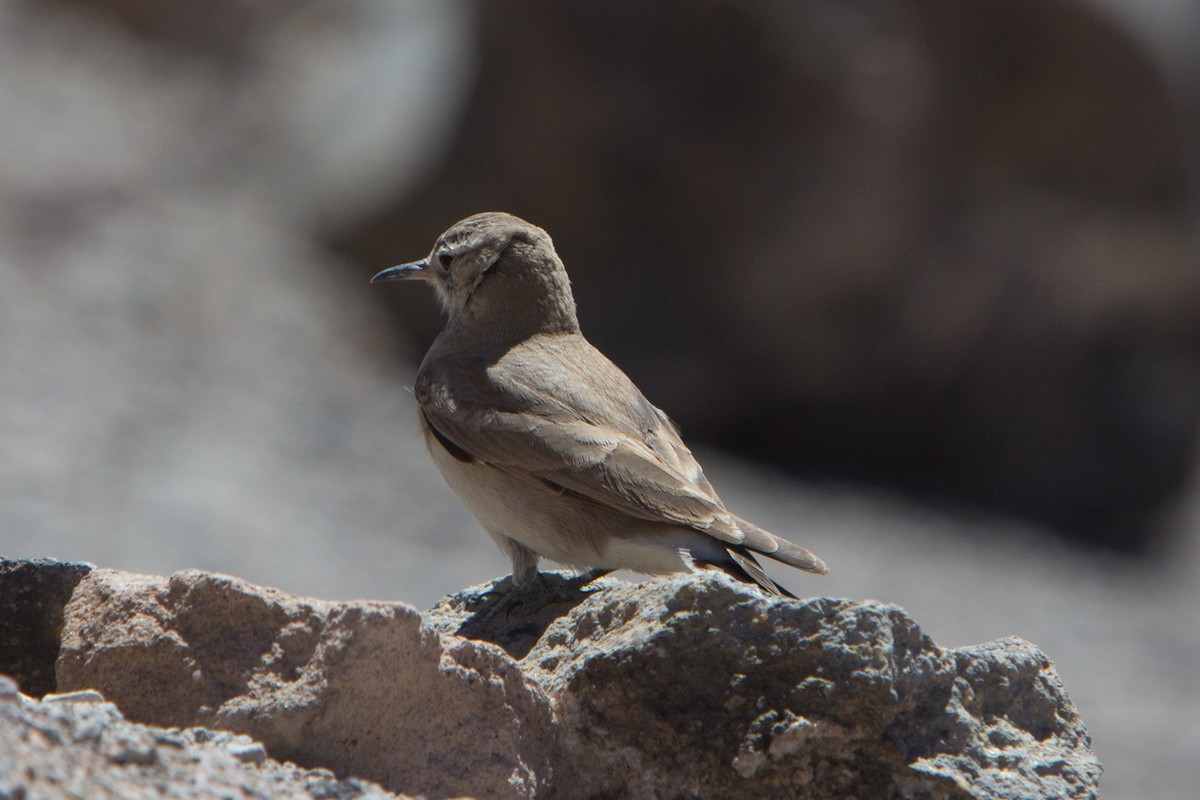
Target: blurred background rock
column 945, row 252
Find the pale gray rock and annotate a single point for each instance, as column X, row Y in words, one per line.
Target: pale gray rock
column 700, row 685
column 70, row 746
column 693, row 686
column 361, row 688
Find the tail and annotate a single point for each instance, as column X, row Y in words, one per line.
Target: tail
column 743, row 566
column 783, row 551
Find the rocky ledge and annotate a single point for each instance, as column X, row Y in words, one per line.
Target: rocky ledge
column 695, row 686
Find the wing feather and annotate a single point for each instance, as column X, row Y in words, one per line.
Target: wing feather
column 622, row 453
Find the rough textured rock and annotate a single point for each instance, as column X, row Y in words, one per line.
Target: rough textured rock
column 32, row 596
column 516, row 621
column 694, row 686
column 706, row 686
column 80, row 746
column 361, row 688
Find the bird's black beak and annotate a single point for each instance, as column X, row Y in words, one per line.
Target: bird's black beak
column 402, row 272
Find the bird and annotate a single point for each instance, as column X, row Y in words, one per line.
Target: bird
column 546, row 441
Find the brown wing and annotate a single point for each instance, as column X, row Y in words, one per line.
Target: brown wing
column 556, row 411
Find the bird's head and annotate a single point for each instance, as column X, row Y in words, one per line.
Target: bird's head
column 497, row 266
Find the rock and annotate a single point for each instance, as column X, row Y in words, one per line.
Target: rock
column 32, row 596
column 692, row 686
column 361, row 688
column 82, row 746
column 515, row 621
column 702, row 685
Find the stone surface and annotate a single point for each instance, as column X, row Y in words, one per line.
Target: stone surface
column 74, row 746
column 32, row 596
column 514, row 620
column 705, row 686
column 692, row 686
column 360, row 688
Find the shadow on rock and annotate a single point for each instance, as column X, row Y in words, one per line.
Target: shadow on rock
column 512, row 617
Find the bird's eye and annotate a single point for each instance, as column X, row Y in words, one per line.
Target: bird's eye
column 444, row 259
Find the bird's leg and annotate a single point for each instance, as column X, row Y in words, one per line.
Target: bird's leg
column 503, row 617
column 524, row 564
column 524, row 578
column 528, row 589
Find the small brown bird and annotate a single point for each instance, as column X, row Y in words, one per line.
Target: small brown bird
column 545, row 440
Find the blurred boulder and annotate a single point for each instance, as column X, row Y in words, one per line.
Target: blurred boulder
column 937, row 246
column 190, row 378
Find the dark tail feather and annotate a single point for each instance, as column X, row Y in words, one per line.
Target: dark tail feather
column 745, row 568
column 771, row 546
